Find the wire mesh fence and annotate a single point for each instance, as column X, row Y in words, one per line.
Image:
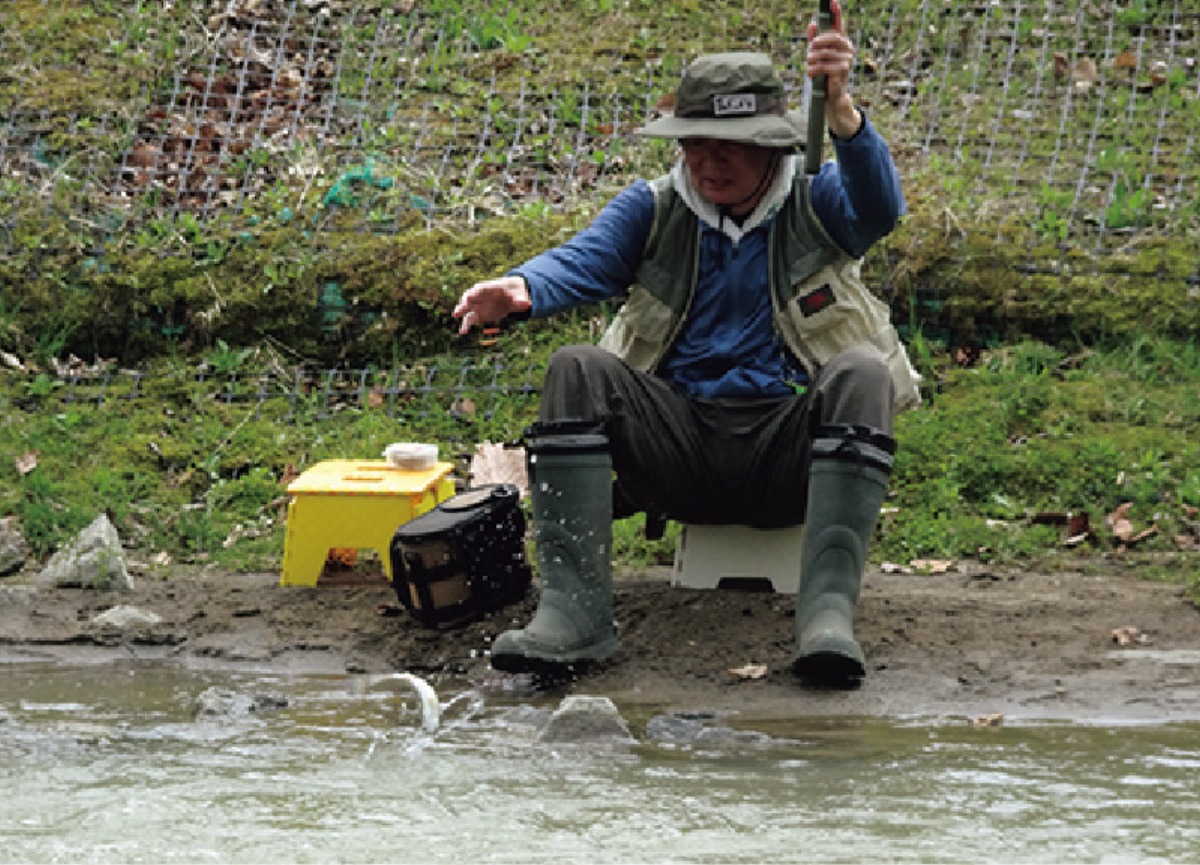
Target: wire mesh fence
column 471, row 389
column 1077, row 120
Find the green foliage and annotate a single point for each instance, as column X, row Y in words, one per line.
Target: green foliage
column 1004, row 259
column 490, row 30
column 351, row 254
column 633, row 552
column 962, row 536
column 48, row 515
column 1036, row 430
column 138, row 299
column 1028, row 431
column 80, row 56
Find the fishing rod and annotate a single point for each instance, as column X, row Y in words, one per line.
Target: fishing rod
column 816, row 103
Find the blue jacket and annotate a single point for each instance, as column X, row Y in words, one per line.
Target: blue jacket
column 727, row 347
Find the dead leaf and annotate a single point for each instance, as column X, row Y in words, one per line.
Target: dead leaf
column 1062, row 66
column 1084, row 74
column 235, row 534
column 279, row 504
column 1128, row 635
column 966, row 355
column 995, row 719
column 932, row 566
column 143, row 155
column 1142, row 535
column 1079, row 530
column 749, row 671
column 26, row 462
column 342, row 557
column 1079, row 524
column 499, row 464
column 1085, row 71
column 1118, row 522
column 1126, row 60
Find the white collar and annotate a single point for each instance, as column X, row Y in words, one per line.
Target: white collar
column 708, row 213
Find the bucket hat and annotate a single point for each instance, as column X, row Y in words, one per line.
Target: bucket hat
column 736, row 96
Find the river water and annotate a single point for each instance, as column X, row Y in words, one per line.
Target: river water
column 113, row 764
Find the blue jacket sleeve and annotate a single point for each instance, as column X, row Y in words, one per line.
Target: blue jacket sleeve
column 858, row 198
column 598, row 263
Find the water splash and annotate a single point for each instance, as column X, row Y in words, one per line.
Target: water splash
column 431, row 708
column 472, row 706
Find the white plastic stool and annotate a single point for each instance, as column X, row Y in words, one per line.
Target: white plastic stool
column 725, row 557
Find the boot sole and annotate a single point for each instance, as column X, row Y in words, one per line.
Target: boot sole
column 830, row 670
column 548, row 675
column 557, row 668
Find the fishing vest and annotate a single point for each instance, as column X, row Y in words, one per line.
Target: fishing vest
column 821, row 306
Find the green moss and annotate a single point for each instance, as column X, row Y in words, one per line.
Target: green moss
column 74, row 59
column 980, row 257
column 1004, row 281
column 138, row 299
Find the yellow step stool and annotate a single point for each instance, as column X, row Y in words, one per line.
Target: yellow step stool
column 354, row 504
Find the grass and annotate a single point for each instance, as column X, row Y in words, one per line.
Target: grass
column 1052, row 224
column 991, row 468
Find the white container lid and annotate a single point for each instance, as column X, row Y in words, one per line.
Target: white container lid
column 412, row 456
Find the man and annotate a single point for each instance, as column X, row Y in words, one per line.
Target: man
column 748, row 378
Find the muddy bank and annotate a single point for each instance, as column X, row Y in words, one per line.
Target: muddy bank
column 970, row 643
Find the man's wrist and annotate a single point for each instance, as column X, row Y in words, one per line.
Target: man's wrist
column 845, row 120
column 521, row 284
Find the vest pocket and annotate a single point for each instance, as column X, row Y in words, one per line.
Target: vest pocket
column 640, row 330
column 829, row 314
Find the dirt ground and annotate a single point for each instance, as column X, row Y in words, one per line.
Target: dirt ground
column 974, row 643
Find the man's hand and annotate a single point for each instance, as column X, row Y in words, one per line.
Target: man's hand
column 832, row 54
column 490, row 301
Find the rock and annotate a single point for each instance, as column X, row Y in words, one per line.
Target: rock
column 223, row 703
column 13, row 548
column 528, row 716
column 581, row 718
column 695, row 728
column 94, row 560
column 124, row 618
column 676, row 727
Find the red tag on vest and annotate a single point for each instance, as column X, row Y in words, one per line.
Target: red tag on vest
column 815, row 301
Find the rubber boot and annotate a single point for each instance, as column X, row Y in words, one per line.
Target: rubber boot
column 847, row 481
column 570, row 480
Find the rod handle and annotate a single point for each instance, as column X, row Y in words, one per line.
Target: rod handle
column 816, row 104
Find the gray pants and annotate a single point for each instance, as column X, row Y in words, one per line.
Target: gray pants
column 713, row 460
